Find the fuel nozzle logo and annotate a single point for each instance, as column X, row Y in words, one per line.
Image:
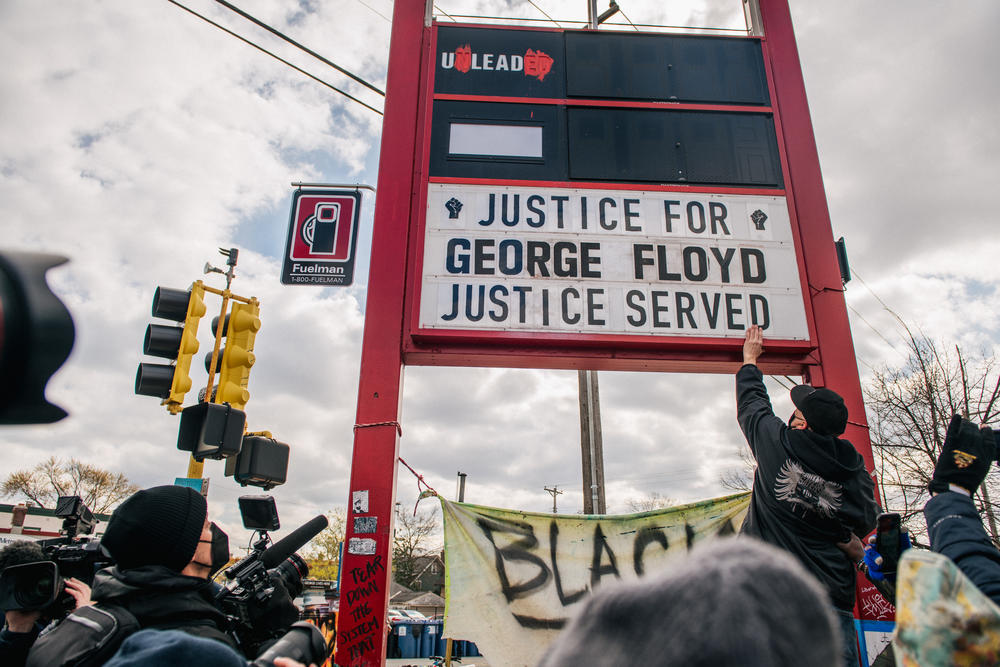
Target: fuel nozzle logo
column 319, row 231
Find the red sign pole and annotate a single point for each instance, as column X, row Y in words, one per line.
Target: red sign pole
column 835, row 365
column 366, row 563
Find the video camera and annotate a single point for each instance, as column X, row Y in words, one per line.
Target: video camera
column 41, row 585
column 258, row 596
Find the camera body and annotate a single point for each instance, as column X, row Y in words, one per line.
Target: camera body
column 258, row 601
column 258, row 596
column 41, row 585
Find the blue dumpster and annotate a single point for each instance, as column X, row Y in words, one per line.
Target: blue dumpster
column 418, row 628
column 428, row 641
column 441, row 644
column 407, row 640
column 392, row 643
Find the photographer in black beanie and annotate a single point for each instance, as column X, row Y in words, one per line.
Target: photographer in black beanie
column 165, row 549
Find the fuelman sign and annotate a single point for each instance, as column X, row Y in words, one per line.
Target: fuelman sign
column 609, row 261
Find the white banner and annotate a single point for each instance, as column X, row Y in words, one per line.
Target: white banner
column 609, row 262
column 513, row 579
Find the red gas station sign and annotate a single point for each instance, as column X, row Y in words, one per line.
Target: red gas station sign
column 322, row 236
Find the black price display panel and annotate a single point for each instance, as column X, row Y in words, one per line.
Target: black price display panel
column 675, row 68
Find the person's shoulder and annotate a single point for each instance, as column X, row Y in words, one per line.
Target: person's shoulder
column 173, row 647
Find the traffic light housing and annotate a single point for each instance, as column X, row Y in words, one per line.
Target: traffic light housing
column 262, row 461
column 36, row 337
column 237, row 358
column 211, row 431
column 179, row 343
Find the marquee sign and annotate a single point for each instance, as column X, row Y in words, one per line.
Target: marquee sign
column 578, row 199
column 563, row 203
column 499, row 258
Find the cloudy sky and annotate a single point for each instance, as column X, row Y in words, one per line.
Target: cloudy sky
column 137, row 139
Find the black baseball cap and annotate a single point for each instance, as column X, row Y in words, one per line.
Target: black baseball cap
column 823, row 409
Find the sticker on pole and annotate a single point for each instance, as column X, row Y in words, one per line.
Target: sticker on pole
column 322, row 235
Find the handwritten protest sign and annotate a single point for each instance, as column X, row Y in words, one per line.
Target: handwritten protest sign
column 515, row 578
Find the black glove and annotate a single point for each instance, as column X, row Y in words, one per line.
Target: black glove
column 966, row 457
column 274, row 616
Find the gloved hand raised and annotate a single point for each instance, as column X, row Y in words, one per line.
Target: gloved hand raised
column 874, row 560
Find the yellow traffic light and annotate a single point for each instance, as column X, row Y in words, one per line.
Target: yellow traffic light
column 238, row 357
column 188, row 347
column 177, row 343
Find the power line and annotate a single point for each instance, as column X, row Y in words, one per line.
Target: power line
column 291, row 41
column 375, row 10
column 276, row 57
column 531, row 2
column 584, row 23
column 854, row 272
column 877, row 332
column 444, row 13
column 778, row 380
column 622, row 12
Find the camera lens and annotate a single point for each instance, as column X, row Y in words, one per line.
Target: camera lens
column 303, row 642
column 292, row 570
column 30, row 586
column 34, row 592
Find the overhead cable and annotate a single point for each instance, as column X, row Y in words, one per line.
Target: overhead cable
column 622, row 12
column 291, row 41
column 443, row 12
column 530, row 2
column 276, row 57
column 375, row 10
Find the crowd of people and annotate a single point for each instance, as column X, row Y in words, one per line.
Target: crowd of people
column 781, row 593
column 156, row 605
column 787, row 597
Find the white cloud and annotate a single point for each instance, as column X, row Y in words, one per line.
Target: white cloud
column 137, row 140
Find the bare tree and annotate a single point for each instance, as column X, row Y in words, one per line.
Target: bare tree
column 909, row 408
column 653, row 500
column 740, row 477
column 413, row 538
column 322, row 554
column 100, row 489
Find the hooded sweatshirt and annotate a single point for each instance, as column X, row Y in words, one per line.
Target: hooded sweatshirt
column 810, row 491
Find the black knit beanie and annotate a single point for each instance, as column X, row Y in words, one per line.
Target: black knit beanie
column 157, row 526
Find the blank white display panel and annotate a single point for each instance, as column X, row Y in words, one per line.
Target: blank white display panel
column 498, row 140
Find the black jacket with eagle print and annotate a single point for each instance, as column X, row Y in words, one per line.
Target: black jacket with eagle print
column 810, row 491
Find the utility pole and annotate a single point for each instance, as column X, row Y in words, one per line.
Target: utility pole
column 554, row 491
column 591, row 444
column 461, row 486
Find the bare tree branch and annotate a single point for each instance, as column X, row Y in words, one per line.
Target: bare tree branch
column 909, row 409
column 653, row 500
column 100, row 489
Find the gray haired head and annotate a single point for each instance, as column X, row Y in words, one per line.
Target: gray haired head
column 732, row 602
